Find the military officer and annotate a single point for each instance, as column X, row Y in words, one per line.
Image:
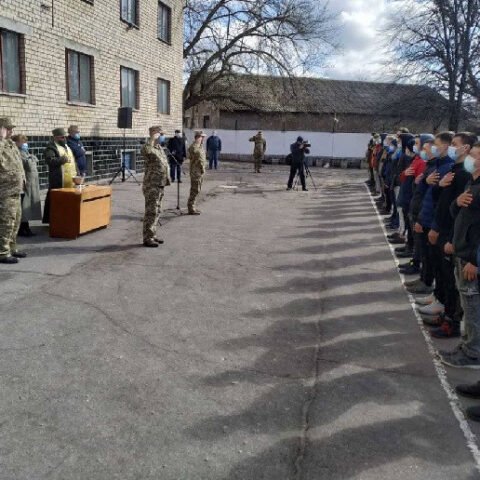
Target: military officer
column 259, row 150
column 157, row 176
column 12, row 182
column 198, row 162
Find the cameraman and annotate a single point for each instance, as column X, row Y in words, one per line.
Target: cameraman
column 298, row 150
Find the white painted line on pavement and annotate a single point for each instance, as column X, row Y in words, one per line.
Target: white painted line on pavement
column 439, row 368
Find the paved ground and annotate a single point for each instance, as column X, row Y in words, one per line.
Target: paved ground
column 269, row 338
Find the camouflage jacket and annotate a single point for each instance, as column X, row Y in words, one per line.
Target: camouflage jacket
column 260, row 145
column 198, row 160
column 12, row 174
column 157, row 171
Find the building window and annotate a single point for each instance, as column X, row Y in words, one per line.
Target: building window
column 164, row 22
column 129, row 88
column 11, row 62
column 80, row 78
column 163, row 96
column 206, row 121
column 129, row 11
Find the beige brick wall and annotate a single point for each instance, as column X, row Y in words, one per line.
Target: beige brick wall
column 98, row 29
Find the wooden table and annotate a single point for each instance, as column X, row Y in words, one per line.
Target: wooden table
column 74, row 211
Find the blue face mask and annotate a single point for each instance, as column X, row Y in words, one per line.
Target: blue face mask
column 415, row 150
column 391, row 149
column 469, row 164
column 452, row 153
column 436, row 151
column 161, row 139
column 424, row 156
column 24, row 147
column 76, row 136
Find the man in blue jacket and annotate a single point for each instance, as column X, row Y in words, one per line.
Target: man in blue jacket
column 76, row 146
column 431, row 254
column 214, row 147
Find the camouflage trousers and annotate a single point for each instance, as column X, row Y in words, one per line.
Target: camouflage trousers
column 153, row 207
column 257, row 162
column 195, row 189
column 10, row 217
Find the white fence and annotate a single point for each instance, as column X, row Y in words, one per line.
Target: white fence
column 324, row 145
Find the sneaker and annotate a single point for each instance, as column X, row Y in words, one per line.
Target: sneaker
column 9, row 260
column 461, row 360
column 470, row 391
column 413, row 283
column 473, row 413
column 401, row 249
column 410, row 270
column 397, row 241
column 406, row 254
column 435, row 308
column 435, row 322
column 393, row 235
column 404, row 265
column 446, row 330
column 449, row 353
column 428, row 300
column 420, row 289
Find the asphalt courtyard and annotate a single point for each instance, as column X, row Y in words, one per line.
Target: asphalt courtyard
column 269, row 338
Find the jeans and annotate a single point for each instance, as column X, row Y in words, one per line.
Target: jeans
column 470, row 299
column 213, row 156
column 175, row 171
column 453, row 308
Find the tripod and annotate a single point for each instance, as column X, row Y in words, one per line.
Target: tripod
column 307, row 174
column 123, row 167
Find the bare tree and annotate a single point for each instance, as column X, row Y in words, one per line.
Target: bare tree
column 434, row 41
column 223, row 37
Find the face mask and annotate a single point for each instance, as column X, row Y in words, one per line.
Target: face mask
column 435, row 151
column 452, row 153
column 469, row 164
column 178, row 135
column 415, row 150
column 424, row 156
column 24, row 147
column 161, row 139
column 391, row 149
column 76, row 136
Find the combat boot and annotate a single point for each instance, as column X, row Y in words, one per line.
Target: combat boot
column 9, row 260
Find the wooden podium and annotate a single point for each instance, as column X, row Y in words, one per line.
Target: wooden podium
column 74, row 211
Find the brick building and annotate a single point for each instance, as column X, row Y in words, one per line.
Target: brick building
column 311, row 104
column 77, row 61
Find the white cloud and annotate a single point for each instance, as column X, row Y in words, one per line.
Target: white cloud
column 362, row 54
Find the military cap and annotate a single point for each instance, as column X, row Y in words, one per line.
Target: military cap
column 199, row 133
column 5, row 122
column 59, row 132
column 155, row 129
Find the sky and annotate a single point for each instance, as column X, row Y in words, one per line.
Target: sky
column 361, row 38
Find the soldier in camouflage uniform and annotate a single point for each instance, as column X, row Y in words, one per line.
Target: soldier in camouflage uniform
column 258, row 150
column 12, row 182
column 198, row 162
column 157, row 176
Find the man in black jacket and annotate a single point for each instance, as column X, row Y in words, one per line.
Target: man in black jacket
column 466, row 240
column 298, row 151
column 441, row 234
column 176, row 146
column 76, row 146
